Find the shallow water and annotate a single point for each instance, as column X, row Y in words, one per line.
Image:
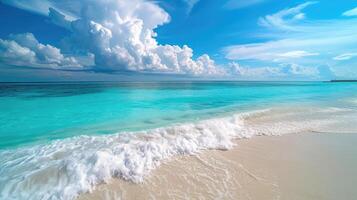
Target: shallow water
column 60, row 140
column 40, row 112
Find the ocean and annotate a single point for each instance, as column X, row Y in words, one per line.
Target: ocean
column 58, row 140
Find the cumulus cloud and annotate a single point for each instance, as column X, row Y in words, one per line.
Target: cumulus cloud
column 115, row 36
column 300, row 70
column 350, row 13
column 252, row 72
column 25, row 50
column 292, row 70
column 120, row 35
column 285, row 18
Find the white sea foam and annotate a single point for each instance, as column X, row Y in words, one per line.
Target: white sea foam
column 352, row 101
column 66, row 168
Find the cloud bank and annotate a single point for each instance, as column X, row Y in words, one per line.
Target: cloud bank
column 294, row 71
column 25, row 50
column 119, row 36
column 115, row 35
column 308, row 46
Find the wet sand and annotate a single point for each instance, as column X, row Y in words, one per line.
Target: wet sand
column 296, row 166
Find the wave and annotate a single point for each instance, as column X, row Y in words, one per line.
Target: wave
column 66, row 168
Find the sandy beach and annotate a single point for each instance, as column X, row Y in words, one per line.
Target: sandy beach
column 295, row 166
column 300, row 149
column 178, row 100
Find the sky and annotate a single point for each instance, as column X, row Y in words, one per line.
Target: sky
column 49, row 40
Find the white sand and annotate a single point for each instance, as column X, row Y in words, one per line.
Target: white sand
column 297, row 166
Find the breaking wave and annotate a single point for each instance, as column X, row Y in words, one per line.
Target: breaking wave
column 65, row 168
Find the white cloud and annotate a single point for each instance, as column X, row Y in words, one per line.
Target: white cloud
column 59, row 19
column 312, row 47
column 284, row 19
column 190, row 4
column 305, row 46
column 11, row 51
column 280, row 71
column 253, row 72
column 120, row 35
column 296, row 69
column 350, row 13
column 271, row 51
column 25, row 50
column 238, row 4
column 345, row 56
column 296, row 54
column 314, row 41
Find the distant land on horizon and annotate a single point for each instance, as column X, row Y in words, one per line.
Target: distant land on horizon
column 344, row 80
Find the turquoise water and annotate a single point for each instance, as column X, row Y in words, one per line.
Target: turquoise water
column 60, row 140
column 35, row 113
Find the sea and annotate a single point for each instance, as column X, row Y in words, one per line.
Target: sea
column 62, row 139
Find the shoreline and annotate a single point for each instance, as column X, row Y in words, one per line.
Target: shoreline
column 294, row 166
column 158, row 159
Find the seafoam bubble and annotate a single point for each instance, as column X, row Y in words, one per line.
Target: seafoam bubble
column 65, row 168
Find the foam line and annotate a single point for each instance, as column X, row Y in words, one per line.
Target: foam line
column 65, row 168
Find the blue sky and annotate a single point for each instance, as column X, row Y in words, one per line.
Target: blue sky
column 210, row 39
